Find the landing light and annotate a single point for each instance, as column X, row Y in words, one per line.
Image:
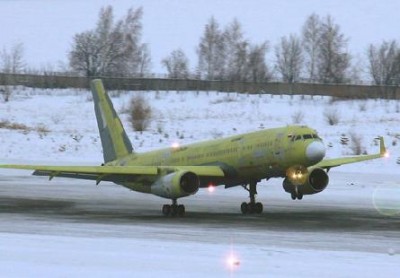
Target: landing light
column 298, row 175
column 386, row 154
column 175, row 145
column 211, row 188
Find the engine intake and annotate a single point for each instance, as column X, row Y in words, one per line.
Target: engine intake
column 316, row 181
column 176, row 185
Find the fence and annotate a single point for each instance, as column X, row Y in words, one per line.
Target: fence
column 161, row 84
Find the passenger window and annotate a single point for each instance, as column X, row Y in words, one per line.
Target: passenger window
column 307, row 136
column 298, row 137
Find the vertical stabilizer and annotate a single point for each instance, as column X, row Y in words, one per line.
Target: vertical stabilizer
column 113, row 137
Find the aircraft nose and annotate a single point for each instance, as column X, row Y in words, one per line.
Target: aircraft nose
column 315, row 151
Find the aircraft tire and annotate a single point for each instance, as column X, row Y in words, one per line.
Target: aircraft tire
column 174, row 210
column 166, row 210
column 244, row 207
column 181, row 210
column 258, row 208
column 294, row 196
column 252, row 207
column 300, row 196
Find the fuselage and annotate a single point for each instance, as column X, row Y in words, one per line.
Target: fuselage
column 251, row 156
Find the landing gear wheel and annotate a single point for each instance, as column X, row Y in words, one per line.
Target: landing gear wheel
column 252, row 206
column 166, row 210
column 296, row 195
column 173, row 210
column 181, row 210
column 299, row 196
column 258, row 208
column 244, row 208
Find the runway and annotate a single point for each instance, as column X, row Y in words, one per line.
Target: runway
column 342, row 219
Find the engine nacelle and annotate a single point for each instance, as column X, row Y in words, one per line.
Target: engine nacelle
column 176, row 185
column 316, row 180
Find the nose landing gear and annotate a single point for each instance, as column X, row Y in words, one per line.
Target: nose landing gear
column 296, row 194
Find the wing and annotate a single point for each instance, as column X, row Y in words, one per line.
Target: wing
column 114, row 173
column 329, row 163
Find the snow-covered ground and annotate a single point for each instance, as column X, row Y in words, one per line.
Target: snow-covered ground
column 285, row 242
column 187, row 117
column 131, row 258
column 75, row 229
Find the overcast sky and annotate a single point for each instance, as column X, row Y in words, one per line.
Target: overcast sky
column 46, row 27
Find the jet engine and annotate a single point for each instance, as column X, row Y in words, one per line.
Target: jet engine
column 312, row 181
column 176, row 185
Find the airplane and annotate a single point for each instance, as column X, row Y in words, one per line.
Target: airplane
column 295, row 153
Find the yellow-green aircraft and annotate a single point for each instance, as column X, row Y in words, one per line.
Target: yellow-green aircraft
column 294, row 153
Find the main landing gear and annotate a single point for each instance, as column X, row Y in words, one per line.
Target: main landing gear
column 252, row 206
column 174, row 209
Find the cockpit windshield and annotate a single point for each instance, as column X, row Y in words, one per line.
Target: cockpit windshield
column 304, row 137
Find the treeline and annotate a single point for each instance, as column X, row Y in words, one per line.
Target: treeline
column 337, row 91
column 318, row 53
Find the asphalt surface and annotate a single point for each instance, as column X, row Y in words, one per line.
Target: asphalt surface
column 31, row 205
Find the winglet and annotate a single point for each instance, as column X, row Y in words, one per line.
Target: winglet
column 383, row 150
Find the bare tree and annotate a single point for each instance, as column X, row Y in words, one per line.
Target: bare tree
column 177, row 64
column 289, row 58
column 236, row 52
column 111, row 54
column 311, row 36
column 12, row 61
column 384, row 64
column 211, row 54
column 356, row 70
column 85, row 54
column 333, row 58
column 138, row 58
column 145, row 60
column 257, row 69
column 112, row 48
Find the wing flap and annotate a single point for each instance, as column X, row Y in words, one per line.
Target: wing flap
column 94, row 170
column 210, row 171
column 113, row 173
